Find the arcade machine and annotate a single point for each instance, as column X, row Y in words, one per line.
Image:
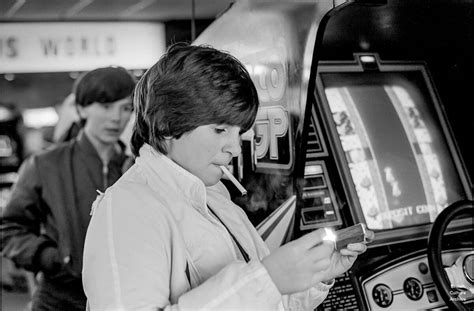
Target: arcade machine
column 363, row 119
column 11, row 149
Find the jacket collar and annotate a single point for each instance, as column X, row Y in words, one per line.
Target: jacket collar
column 160, row 167
column 85, row 145
column 89, row 150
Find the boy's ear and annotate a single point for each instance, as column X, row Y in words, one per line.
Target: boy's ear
column 81, row 112
column 167, row 142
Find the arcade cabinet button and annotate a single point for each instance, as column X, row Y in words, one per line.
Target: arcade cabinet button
column 432, row 296
column 423, row 268
column 468, row 268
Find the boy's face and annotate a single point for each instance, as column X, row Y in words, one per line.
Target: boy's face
column 202, row 150
column 106, row 121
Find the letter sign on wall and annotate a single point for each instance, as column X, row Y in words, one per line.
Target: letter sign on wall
column 273, row 134
column 79, row 46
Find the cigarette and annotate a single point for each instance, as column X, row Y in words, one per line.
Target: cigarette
column 233, row 180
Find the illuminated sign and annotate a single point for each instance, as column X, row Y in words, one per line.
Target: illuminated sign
column 79, row 46
column 271, row 124
column 273, row 131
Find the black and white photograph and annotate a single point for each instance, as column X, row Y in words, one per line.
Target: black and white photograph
column 234, row 155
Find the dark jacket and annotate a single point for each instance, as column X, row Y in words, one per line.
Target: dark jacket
column 50, row 207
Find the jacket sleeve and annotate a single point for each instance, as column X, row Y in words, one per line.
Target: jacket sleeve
column 305, row 300
column 309, row 299
column 247, row 286
column 20, row 222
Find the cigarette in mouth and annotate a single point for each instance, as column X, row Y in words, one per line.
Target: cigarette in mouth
column 233, row 180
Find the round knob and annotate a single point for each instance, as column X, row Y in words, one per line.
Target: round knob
column 468, row 268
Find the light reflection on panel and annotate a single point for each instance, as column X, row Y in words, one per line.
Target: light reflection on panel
column 427, row 159
column 364, row 170
column 397, row 157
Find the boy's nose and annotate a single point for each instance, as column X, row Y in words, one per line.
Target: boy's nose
column 233, row 146
column 115, row 114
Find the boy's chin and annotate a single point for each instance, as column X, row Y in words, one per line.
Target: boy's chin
column 211, row 181
column 111, row 139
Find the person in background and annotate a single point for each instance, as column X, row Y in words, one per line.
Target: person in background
column 167, row 235
column 69, row 124
column 43, row 225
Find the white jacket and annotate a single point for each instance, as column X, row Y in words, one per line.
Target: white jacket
column 152, row 244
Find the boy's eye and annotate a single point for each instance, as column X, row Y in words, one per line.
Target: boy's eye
column 220, row 130
column 128, row 108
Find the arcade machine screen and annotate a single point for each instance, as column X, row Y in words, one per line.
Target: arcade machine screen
column 396, row 146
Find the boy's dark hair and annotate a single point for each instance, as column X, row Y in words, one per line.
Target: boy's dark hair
column 103, row 85
column 188, row 87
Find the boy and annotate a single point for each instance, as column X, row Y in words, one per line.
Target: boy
column 44, row 224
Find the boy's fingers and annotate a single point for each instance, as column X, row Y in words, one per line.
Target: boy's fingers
column 321, row 251
column 369, row 236
column 312, row 239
